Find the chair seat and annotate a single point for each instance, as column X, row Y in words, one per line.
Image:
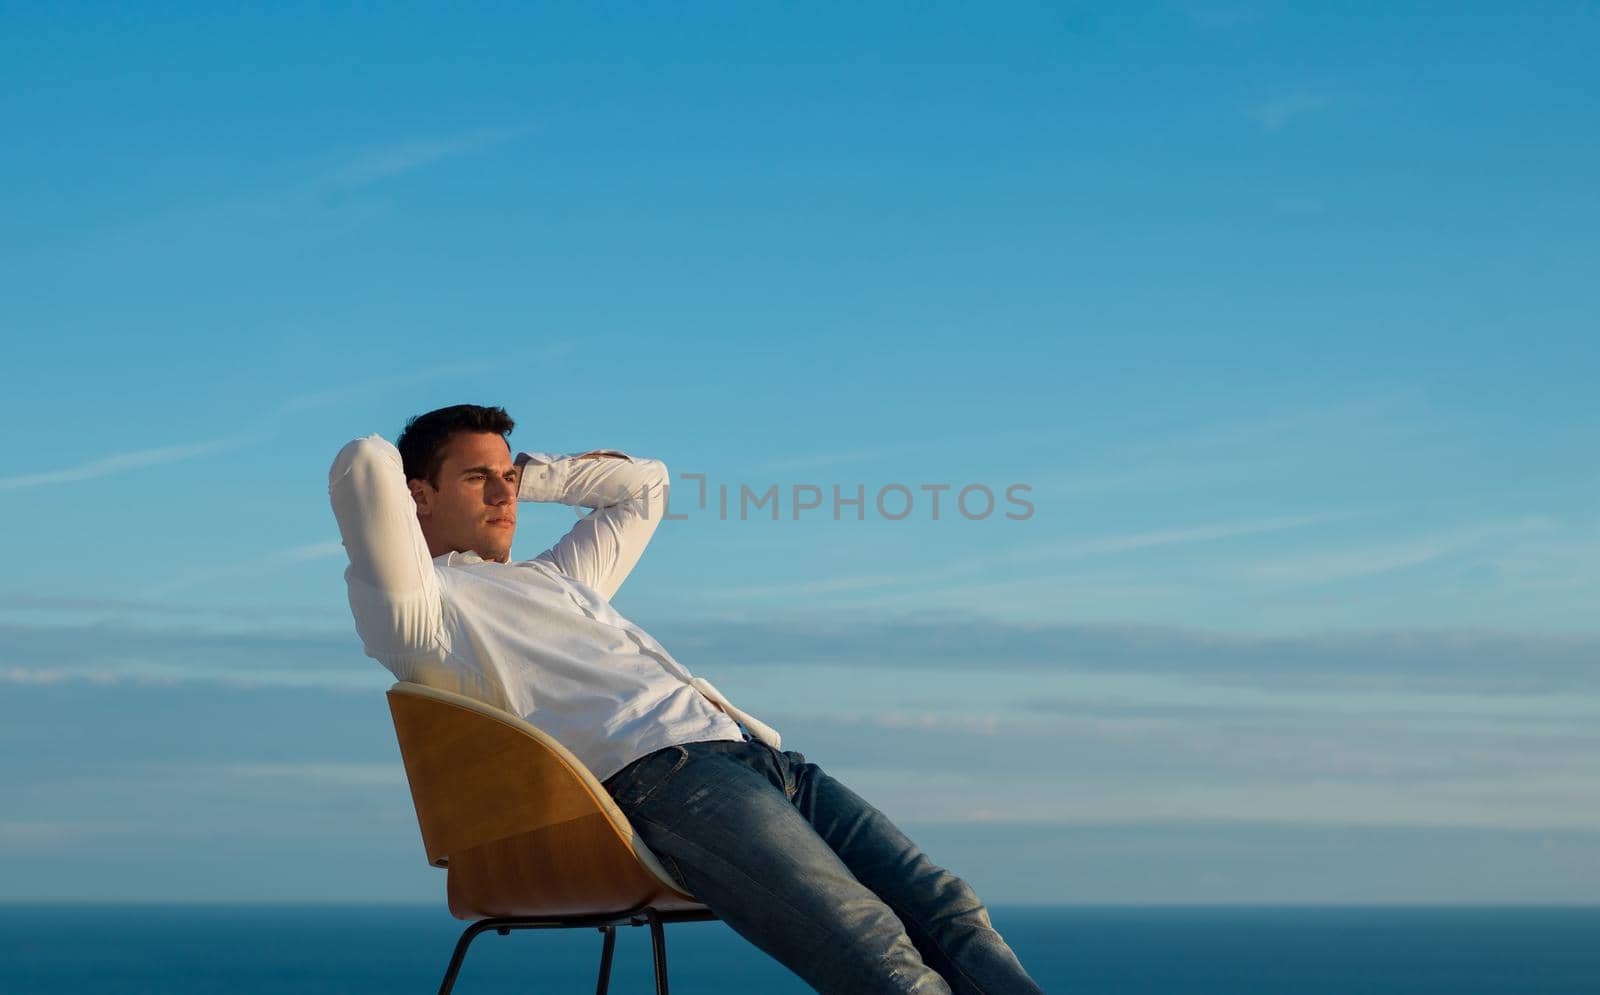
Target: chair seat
column 523, row 827
column 570, row 868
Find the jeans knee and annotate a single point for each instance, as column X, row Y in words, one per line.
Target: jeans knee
column 870, row 952
column 954, row 898
column 927, row 983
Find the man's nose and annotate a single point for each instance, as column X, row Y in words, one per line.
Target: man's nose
column 501, row 491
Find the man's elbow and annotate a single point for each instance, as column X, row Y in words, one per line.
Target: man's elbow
column 659, row 483
column 361, row 457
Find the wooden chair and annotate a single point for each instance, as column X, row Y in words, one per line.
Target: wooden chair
column 529, row 839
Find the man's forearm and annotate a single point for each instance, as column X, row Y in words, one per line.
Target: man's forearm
column 629, row 497
column 598, row 478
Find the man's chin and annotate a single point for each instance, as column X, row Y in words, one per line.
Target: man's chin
column 501, row 553
column 490, row 552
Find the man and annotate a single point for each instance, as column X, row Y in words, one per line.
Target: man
column 787, row 856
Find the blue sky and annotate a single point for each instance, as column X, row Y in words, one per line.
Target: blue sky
column 1282, row 317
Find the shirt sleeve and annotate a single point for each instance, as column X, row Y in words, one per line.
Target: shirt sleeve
column 394, row 591
column 629, row 498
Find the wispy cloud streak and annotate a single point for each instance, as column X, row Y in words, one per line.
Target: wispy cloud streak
column 1277, row 111
column 409, row 157
column 1342, row 564
column 1171, row 537
column 1455, row 659
column 1102, row 545
column 121, row 462
column 351, row 391
column 310, row 551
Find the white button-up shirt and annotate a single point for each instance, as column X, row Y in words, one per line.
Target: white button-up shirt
column 537, row 637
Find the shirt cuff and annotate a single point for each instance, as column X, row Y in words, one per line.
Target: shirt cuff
column 545, row 475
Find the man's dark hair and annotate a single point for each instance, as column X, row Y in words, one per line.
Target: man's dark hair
column 423, row 442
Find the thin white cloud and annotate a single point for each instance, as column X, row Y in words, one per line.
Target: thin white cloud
column 1042, row 596
column 1184, row 450
column 1443, row 659
column 35, row 675
column 136, row 459
column 1170, row 537
column 1325, row 566
column 408, row 157
column 504, row 364
column 90, row 675
column 951, row 446
column 19, row 605
column 237, row 678
column 821, row 461
column 306, row 552
column 310, row 551
column 1215, row 16
column 1102, row 545
column 824, row 586
column 1343, row 564
column 353, row 775
column 1088, row 797
column 29, row 834
column 377, row 385
column 1277, row 111
column 987, row 724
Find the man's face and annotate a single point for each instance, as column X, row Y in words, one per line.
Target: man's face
column 475, row 505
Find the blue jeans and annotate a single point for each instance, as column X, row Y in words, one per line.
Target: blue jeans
column 802, row 867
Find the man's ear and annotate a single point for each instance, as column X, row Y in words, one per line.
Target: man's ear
column 419, row 494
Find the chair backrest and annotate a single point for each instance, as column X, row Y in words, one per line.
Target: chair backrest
column 522, row 825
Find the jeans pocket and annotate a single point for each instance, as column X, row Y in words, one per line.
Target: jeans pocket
column 643, row 778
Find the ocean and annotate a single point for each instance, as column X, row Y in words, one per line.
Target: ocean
column 319, row 950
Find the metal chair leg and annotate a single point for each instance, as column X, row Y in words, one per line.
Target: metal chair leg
column 467, row 936
column 658, row 945
column 606, row 948
column 607, row 924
